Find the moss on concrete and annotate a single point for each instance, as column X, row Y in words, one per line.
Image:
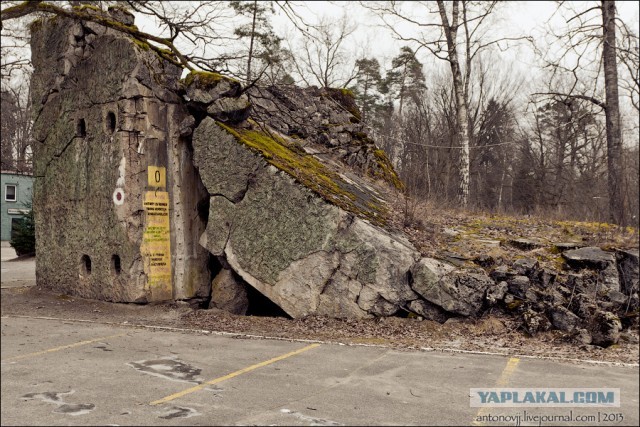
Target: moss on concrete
column 206, row 79
column 347, row 100
column 141, row 44
column 36, row 24
column 87, row 7
column 291, row 158
column 387, row 173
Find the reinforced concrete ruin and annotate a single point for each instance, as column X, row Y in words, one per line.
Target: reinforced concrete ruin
column 115, row 191
column 153, row 187
column 150, row 187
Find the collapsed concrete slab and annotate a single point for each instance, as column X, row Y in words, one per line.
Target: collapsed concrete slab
column 307, row 255
column 150, row 187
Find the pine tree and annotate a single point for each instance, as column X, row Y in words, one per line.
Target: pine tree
column 264, row 44
column 366, row 88
column 405, row 80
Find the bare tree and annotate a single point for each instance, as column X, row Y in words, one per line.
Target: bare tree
column 16, row 129
column 322, row 58
column 591, row 61
column 612, row 113
column 628, row 52
column 460, row 87
column 14, row 49
column 455, row 32
column 187, row 30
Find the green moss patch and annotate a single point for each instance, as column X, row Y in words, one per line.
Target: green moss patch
column 168, row 55
column 345, row 98
column 141, row 44
column 386, row 171
column 36, row 24
column 165, row 54
column 87, row 7
column 290, row 157
column 206, row 79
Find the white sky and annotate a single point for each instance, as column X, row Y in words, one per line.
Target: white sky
column 515, row 17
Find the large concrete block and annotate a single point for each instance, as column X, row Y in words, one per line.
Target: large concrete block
column 106, row 229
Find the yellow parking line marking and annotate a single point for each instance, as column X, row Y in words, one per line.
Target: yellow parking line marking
column 508, row 371
column 51, row 350
column 233, row 374
column 503, row 380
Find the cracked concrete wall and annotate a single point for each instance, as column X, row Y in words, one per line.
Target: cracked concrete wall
column 105, row 110
column 306, row 255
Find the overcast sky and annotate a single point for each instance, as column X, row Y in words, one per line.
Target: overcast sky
column 513, row 17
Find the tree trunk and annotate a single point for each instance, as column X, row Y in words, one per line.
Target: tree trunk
column 462, row 116
column 502, row 179
column 402, row 89
column 253, row 35
column 612, row 114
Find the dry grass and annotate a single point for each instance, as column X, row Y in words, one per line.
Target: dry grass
column 439, row 232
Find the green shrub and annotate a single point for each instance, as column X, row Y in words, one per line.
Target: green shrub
column 23, row 238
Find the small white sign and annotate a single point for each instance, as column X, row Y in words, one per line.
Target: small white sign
column 18, row 211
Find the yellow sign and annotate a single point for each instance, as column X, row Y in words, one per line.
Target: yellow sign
column 156, row 244
column 157, row 176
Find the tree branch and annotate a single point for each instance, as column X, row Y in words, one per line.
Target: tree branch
column 29, row 7
column 583, row 97
column 18, row 11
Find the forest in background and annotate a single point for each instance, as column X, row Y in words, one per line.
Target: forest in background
column 464, row 124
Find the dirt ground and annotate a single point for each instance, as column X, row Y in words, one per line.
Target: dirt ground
column 490, row 334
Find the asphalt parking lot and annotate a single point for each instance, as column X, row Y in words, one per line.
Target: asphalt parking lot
column 16, row 273
column 57, row 372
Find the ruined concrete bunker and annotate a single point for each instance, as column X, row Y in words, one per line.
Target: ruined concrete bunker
column 153, row 188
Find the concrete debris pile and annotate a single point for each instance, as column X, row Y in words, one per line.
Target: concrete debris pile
column 151, row 188
column 592, row 299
